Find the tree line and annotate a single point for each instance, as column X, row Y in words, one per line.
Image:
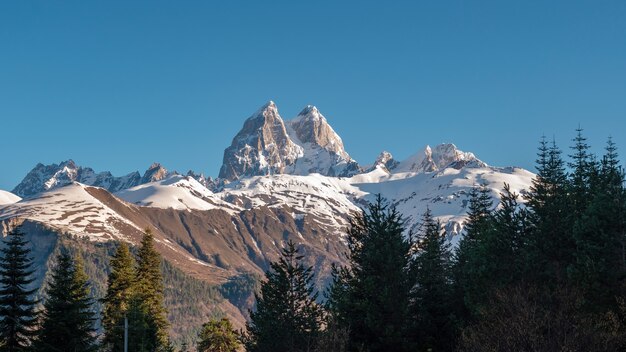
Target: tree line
column 541, row 271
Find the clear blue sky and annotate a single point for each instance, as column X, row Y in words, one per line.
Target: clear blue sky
column 116, row 85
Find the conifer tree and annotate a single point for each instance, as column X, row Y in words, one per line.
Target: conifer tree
column 121, row 284
column 584, row 169
column 17, row 307
column 599, row 234
column 549, row 245
column 432, row 309
column 150, row 312
column 508, row 238
column 68, row 317
column 218, row 336
column 287, row 317
column 369, row 298
column 467, row 260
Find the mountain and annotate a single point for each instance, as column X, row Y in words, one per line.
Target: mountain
column 47, row 177
column 442, row 156
column 280, row 181
column 8, row 198
column 266, row 145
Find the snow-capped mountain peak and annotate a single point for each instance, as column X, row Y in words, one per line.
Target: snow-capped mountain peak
column 266, row 145
column 434, row 159
column 384, row 161
column 311, row 127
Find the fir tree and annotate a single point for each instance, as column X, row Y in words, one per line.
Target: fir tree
column 467, row 261
column 370, row 297
column 17, row 312
column 218, row 336
column 287, row 317
column 584, row 169
column 508, row 237
column 68, row 317
column 599, row 234
column 150, row 314
column 432, row 307
column 549, row 245
column 121, row 284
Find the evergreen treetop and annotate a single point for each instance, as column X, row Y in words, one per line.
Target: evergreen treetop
column 17, row 306
column 68, row 316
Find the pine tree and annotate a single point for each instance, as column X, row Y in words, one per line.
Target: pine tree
column 508, row 237
column 549, row 245
column 432, row 308
column 599, row 234
column 467, row 261
column 150, row 314
column 584, row 169
column 287, row 317
column 218, row 336
column 17, row 307
column 68, row 317
column 369, row 298
column 121, row 284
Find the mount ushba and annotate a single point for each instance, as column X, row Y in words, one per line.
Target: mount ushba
column 280, row 180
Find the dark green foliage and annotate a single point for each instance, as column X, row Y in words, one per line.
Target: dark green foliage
column 17, row 312
column 583, row 174
column 149, row 314
column 68, row 317
column 370, row 297
column 432, row 308
column 287, row 316
column 550, row 244
column 528, row 318
column 218, row 336
column 121, row 284
column 599, row 265
column 467, row 260
column 504, row 243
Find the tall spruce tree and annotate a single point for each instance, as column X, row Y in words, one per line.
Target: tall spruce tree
column 549, row 245
column 432, row 308
column 149, row 317
column 68, row 316
column 467, row 261
column 287, row 317
column 121, row 285
column 370, row 297
column 508, row 237
column 584, row 170
column 599, row 264
column 17, row 307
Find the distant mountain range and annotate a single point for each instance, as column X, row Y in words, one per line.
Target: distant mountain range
column 279, row 180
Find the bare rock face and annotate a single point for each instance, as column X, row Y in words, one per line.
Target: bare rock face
column 267, row 145
column 156, row 172
column 311, row 127
column 262, row 147
column 384, row 161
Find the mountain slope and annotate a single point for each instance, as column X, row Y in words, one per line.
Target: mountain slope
column 8, row 198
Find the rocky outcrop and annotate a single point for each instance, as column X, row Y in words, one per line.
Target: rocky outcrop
column 384, row 161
